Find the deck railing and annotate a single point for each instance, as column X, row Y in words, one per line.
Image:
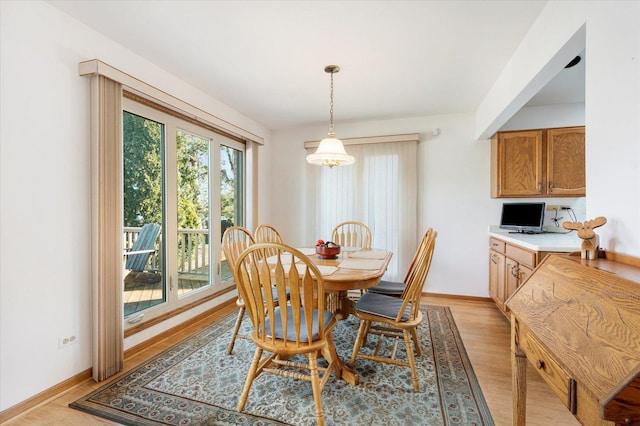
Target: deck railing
column 193, row 254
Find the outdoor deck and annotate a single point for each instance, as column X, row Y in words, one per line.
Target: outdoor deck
column 193, row 270
column 142, row 295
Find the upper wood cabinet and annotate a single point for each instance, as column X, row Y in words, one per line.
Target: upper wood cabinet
column 535, row 163
column 565, row 162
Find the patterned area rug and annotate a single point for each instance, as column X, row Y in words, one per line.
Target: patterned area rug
column 196, row 383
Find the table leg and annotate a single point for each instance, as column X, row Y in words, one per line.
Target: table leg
column 349, row 375
column 518, row 376
column 342, row 370
column 338, row 302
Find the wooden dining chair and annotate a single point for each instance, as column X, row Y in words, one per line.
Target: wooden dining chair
column 301, row 327
column 235, row 240
column 267, row 234
column 388, row 316
column 352, row 234
column 395, row 288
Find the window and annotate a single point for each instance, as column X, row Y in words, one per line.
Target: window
column 189, row 180
column 379, row 189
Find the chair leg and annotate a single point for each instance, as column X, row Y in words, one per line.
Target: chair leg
column 366, row 334
column 412, row 360
column 414, row 334
column 317, row 389
column 362, row 332
column 250, row 376
column 236, row 329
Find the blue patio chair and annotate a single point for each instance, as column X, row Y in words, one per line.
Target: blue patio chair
column 138, row 256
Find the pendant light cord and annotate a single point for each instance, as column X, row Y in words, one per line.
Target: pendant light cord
column 331, row 108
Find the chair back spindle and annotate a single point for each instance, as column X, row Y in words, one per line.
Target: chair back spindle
column 352, row 234
column 415, row 282
column 267, row 234
column 235, row 240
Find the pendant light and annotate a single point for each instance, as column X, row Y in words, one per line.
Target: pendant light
column 330, row 152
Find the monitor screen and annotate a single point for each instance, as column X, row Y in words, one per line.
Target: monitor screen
column 522, row 217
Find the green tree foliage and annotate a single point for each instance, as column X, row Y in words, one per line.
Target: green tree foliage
column 142, row 172
column 193, row 176
column 229, row 180
column 143, row 159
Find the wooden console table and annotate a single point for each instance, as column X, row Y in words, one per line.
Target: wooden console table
column 578, row 323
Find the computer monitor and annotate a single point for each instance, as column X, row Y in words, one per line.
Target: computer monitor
column 522, row 217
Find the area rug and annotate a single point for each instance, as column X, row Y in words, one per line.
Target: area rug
column 196, row 383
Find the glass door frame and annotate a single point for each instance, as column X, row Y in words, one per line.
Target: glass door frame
column 169, row 233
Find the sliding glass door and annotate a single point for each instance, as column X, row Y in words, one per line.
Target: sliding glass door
column 231, row 197
column 189, row 180
column 143, row 201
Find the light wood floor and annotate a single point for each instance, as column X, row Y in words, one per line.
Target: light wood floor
column 485, row 333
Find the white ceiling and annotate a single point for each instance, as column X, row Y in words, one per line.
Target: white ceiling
column 266, row 59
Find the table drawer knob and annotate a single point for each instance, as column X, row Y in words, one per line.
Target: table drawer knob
column 540, row 364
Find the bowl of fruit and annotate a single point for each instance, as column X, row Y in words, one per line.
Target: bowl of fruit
column 327, row 250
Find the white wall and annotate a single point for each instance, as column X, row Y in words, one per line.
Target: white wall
column 613, row 122
column 610, row 33
column 453, row 193
column 547, row 116
column 555, row 38
column 45, row 191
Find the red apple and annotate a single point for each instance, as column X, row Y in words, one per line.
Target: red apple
column 319, row 242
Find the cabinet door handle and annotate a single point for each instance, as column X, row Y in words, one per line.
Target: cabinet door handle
column 540, row 364
column 493, row 259
column 540, row 188
column 515, row 271
column 550, row 186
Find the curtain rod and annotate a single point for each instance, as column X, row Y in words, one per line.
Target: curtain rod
column 97, row 67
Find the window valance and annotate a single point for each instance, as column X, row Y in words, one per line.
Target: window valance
column 409, row 137
column 145, row 90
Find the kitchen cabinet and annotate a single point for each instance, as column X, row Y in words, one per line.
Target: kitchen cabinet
column 496, row 278
column 535, row 163
column 509, row 266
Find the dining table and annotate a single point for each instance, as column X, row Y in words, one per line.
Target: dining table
column 352, row 269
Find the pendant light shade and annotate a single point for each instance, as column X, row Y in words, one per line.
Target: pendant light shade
column 330, row 152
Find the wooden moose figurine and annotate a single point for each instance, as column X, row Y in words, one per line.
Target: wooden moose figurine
column 590, row 240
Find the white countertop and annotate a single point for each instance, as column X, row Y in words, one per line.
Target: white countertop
column 547, row 241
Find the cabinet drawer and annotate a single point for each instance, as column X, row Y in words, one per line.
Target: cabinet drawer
column 520, row 255
column 552, row 373
column 497, row 245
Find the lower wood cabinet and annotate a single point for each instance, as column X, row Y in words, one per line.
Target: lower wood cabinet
column 509, row 266
column 497, row 278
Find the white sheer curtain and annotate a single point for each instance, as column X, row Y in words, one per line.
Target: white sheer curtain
column 378, row 190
